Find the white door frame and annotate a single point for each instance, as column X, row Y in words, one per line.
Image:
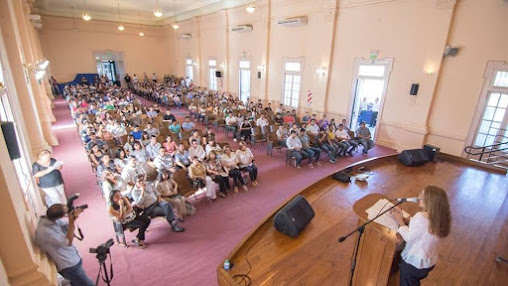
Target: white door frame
column 487, row 88
column 247, row 59
column 388, row 63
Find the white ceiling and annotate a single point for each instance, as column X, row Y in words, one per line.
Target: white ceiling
column 134, row 11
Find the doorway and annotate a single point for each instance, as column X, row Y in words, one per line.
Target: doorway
column 110, row 64
column 244, row 87
column 109, row 69
column 369, row 88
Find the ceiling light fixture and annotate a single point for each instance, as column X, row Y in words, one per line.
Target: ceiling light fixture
column 120, row 25
column 175, row 23
column 158, row 11
column 86, row 15
column 250, row 8
column 141, row 34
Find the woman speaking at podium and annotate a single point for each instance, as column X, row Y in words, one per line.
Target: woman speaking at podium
column 423, row 235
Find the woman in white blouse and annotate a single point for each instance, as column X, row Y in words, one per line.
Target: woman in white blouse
column 246, row 162
column 423, row 235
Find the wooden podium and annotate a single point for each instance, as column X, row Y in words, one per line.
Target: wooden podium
column 378, row 255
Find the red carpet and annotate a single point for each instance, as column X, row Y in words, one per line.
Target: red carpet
column 191, row 257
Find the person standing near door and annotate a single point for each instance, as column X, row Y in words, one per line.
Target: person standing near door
column 375, row 111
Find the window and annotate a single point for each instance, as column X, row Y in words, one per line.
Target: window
column 501, row 79
column 492, row 115
column 492, row 119
column 212, row 67
column 371, row 70
column 292, row 82
column 189, row 69
column 244, row 81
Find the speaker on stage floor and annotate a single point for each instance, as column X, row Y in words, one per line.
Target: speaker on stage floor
column 11, row 140
column 432, row 151
column 294, row 216
column 414, row 157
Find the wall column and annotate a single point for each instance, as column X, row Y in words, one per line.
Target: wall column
column 21, row 86
column 42, row 103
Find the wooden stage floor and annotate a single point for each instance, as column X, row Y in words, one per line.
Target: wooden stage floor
column 479, row 204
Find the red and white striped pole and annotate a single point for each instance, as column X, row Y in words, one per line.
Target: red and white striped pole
column 309, row 98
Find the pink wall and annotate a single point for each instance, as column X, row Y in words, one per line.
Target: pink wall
column 413, row 34
column 480, row 30
column 72, row 52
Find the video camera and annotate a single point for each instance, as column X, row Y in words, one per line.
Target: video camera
column 102, row 250
column 70, row 203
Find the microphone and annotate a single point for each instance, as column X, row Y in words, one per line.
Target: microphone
column 411, row 200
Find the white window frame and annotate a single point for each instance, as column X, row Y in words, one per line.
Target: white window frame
column 189, row 68
column 488, row 87
column 286, row 73
column 212, row 68
column 240, row 69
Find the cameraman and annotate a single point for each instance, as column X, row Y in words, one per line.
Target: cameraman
column 54, row 236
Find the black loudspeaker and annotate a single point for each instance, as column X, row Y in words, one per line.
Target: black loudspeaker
column 432, row 151
column 414, row 89
column 218, row 74
column 293, row 217
column 259, row 74
column 414, row 157
column 11, row 140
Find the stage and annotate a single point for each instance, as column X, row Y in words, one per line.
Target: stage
column 479, row 202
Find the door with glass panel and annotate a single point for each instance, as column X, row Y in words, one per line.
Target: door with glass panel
column 370, row 86
column 244, row 80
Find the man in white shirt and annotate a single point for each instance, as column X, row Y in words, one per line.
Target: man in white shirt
column 262, row 121
column 346, row 144
column 313, row 128
column 232, row 124
column 116, row 130
column 282, row 134
column 295, row 146
column 196, row 150
column 164, row 162
column 131, row 170
column 280, row 109
column 152, row 149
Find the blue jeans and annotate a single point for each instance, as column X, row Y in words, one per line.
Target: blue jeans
column 367, row 145
column 299, row 156
column 313, row 153
column 76, row 275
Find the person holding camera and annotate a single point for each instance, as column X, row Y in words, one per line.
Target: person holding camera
column 54, row 236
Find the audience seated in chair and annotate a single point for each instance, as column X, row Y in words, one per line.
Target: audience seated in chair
column 148, row 199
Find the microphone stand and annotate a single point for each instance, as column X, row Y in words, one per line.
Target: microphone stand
column 360, row 231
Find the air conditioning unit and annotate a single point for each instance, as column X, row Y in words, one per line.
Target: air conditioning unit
column 242, row 29
column 35, row 17
column 186, row 36
column 37, row 25
column 298, row 21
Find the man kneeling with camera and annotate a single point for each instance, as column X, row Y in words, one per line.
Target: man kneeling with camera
column 54, row 236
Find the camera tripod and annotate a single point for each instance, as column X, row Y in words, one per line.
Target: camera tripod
column 102, row 267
